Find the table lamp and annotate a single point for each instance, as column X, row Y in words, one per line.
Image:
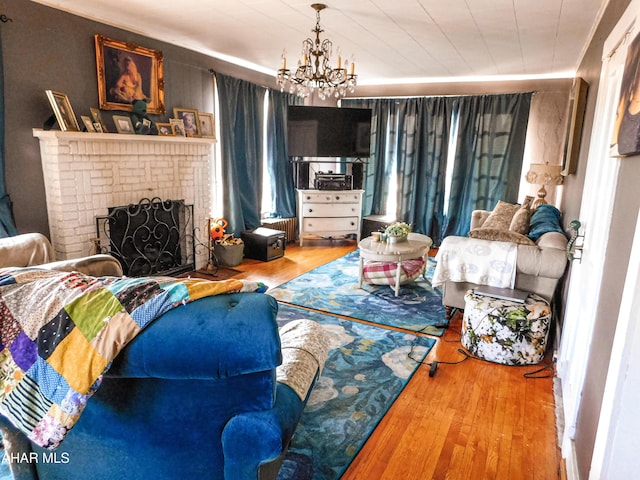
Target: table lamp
column 543, row 174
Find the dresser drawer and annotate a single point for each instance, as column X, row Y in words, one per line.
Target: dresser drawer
column 331, row 197
column 344, row 224
column 330, row 209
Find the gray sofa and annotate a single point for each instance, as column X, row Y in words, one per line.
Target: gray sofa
column 30, row 249
column 539, row 267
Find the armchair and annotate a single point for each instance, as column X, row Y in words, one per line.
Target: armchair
column 202, row 392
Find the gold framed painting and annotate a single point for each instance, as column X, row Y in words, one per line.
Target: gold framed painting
column 573, row 132
column 128, row 72
column 63, row 111
column 189, row 117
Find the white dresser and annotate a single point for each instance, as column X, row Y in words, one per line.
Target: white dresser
column 329, row 213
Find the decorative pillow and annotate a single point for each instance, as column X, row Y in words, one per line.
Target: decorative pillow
column 545, row 219
column 500, row 235
column 500, row 217
column 520, row 221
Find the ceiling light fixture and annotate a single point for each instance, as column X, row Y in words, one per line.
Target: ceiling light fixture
column 314, row 71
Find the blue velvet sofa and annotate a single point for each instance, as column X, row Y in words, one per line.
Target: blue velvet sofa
column 196, row 395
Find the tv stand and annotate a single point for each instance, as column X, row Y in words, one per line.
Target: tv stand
column 329, row 213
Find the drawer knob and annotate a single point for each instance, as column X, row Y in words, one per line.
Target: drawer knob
column 337, row 197
column 310, row 210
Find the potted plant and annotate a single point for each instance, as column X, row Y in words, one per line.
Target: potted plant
column 397, row 232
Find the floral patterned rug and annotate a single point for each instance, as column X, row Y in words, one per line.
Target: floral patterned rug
column 366, row 370
column 333, row 288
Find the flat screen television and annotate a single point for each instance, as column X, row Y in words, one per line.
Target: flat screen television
column 328, row 132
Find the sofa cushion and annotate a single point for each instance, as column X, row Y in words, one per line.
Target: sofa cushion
column 545, row 219
column 501, row 216
column 520, row 221
column 501, row 235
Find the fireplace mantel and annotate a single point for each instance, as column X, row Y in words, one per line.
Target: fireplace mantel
column 129, row 139
column 86, row 173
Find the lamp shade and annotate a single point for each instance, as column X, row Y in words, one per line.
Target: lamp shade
column 544, row 174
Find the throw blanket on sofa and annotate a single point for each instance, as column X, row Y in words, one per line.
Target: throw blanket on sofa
column 483, row 262
column 60, row 331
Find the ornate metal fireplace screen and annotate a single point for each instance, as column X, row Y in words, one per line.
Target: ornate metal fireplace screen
column 154, row 237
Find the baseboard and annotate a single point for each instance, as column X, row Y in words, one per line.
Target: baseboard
column 570, row 460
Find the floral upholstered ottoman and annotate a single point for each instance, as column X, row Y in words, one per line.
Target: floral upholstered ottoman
column 507, row 332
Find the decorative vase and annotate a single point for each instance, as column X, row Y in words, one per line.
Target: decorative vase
column 397, row 239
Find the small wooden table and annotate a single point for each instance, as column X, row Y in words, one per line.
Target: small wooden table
column 415, row 246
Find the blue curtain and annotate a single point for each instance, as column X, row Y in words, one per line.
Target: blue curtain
column 283, row 201
column 7, row 226
column 488, row 158
column 379, row 164
column 421, row 166
column 241, row 137
column 409, row 137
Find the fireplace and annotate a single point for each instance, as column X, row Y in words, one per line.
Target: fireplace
column 86, row 173
column 152, row 237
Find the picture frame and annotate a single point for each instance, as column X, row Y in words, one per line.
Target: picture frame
column 98, row 124
column 166, row 129
column 189, row 117
column 575, row 119
column 63, row 112
column 123, row 124
column 128, row 72
column 624, row 137
column 178, row 127
column 207, row 125
column 88, row 123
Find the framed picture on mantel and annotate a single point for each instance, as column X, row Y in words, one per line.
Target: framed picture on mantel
column 63, row 112
column 128, row 72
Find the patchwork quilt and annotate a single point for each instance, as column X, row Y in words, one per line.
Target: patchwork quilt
column 60, row 331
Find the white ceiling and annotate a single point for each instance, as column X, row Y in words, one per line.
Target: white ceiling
column 393, row 41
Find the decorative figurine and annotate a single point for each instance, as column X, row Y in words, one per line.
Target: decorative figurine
column 142, row 123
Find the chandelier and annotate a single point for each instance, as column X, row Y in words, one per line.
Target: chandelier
column 314, row 71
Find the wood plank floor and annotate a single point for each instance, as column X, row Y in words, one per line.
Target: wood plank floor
column 475, row 420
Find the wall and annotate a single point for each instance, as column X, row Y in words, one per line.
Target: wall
column 627, row 203
column 47, row 49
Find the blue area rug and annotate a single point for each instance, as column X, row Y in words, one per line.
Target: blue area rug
column 333, row 288
column 366, row 370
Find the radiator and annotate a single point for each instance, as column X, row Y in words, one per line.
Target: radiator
column 287, row 225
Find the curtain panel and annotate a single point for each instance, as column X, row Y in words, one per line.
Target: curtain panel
column 7, row 225
column 488, row 155
column 280, row 168
column 241, row 139
column 378, row 166
column 409, row 142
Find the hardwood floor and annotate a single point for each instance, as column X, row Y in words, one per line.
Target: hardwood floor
column 475, row 420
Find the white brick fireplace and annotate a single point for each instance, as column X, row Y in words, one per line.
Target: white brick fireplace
column 86, row 173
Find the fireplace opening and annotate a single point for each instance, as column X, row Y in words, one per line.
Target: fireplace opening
column 152, row 237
